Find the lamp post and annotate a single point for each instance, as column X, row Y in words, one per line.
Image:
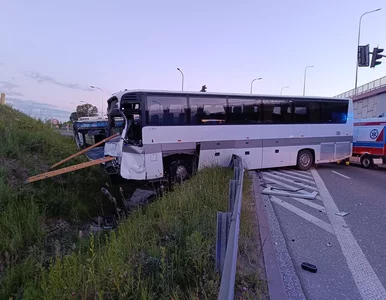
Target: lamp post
column 95, row 87
column 182, row 74
column 359, row 35
column 253, row 82
column 284, row 87
column 305, row 75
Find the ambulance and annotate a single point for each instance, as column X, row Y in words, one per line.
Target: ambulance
column 369, row 148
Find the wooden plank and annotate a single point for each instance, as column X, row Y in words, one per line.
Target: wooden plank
column 69, row 169
column 83, row 151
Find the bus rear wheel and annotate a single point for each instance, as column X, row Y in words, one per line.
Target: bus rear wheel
column 366, row 161
column 305, row 160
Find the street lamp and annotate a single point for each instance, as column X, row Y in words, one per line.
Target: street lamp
column 284, row 87
column 253, row 82
column 359, row 35
column 305, row 75
column 182, row 74
column 95, row 87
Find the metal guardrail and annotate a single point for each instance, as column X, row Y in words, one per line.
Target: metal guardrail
column 373, row 85
column 228, row 227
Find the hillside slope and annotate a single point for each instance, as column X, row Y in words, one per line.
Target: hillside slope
column 29, row 147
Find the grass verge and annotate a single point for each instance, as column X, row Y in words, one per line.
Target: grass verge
column 163, row 251
column 250, row 277
column 28, row 147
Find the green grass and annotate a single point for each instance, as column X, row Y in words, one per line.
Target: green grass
column 250, row 277
column 162, row 251
column 28, row 147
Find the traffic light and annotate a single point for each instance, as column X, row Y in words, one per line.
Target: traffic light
column 364, row 56
column 376, row 55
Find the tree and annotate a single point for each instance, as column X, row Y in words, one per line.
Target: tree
column 86, row 110
column 74, row 116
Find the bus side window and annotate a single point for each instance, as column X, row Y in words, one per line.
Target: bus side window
column 207, row 111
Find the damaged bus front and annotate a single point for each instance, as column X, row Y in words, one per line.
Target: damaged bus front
column 127, row 146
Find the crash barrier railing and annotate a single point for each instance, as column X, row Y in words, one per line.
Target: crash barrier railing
column 227, row 237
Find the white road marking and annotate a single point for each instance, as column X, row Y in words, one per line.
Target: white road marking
column 306, row 202
column 294, row 184
column 367, row 282
column 337, row 173
column 303, row 214
column 301, row 174
column 266, row 176
column 311, row 181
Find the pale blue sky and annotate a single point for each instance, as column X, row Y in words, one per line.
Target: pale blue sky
column 52, row 51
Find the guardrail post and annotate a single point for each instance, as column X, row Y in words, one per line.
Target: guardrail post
column 223, row 221
column 232, row 194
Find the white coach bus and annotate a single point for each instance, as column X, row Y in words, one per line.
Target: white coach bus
column 172, row 134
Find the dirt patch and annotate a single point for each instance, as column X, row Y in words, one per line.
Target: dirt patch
column 16, row 173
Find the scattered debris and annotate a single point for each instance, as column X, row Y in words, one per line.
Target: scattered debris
column 344, row 226
column 342, row 214
column 293, row 240
column 271, row 191
column 329, row 244
column 309, row 267
column 139, row 198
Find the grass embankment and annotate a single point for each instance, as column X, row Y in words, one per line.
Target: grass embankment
column 162, row 251
column 28, row 147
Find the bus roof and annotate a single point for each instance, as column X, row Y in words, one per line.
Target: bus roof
column 217, row 94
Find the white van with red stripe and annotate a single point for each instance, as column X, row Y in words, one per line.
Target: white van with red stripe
column 369, row 146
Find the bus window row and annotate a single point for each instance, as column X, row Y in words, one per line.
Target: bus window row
column 169, row 111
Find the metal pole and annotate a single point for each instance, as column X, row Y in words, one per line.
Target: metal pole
column 281, row 91
column 182, row 78
column 253, row 82
column 305, row 74
column 359, row 35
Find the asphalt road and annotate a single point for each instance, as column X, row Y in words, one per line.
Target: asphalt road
column 363, row 195
column 349, row 251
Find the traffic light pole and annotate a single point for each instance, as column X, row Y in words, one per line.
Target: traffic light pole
column 359, row 35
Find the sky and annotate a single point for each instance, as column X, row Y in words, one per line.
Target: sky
column 52, row 51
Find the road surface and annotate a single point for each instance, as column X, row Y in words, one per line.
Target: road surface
column 347, row 250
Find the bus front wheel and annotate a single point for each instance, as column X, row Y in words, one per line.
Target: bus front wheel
column 305, row 160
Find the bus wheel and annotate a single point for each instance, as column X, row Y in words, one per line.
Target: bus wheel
column 179, row 171
column 366, row 161
column 305, row 159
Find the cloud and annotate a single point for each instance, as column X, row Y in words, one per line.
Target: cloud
column 41, row 78
column 6, row 85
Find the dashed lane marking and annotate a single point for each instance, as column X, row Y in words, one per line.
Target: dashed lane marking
column 337, row 173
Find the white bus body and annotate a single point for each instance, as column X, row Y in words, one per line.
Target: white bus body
column 265, row 131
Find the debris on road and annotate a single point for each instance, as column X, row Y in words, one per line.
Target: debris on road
column 342, row 214
column 272, row 191
column 309, row 267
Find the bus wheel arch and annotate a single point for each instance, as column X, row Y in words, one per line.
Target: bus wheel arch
column 179, row 167
column 305, row 159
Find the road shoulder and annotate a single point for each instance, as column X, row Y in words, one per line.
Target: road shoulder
column 283, row 282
